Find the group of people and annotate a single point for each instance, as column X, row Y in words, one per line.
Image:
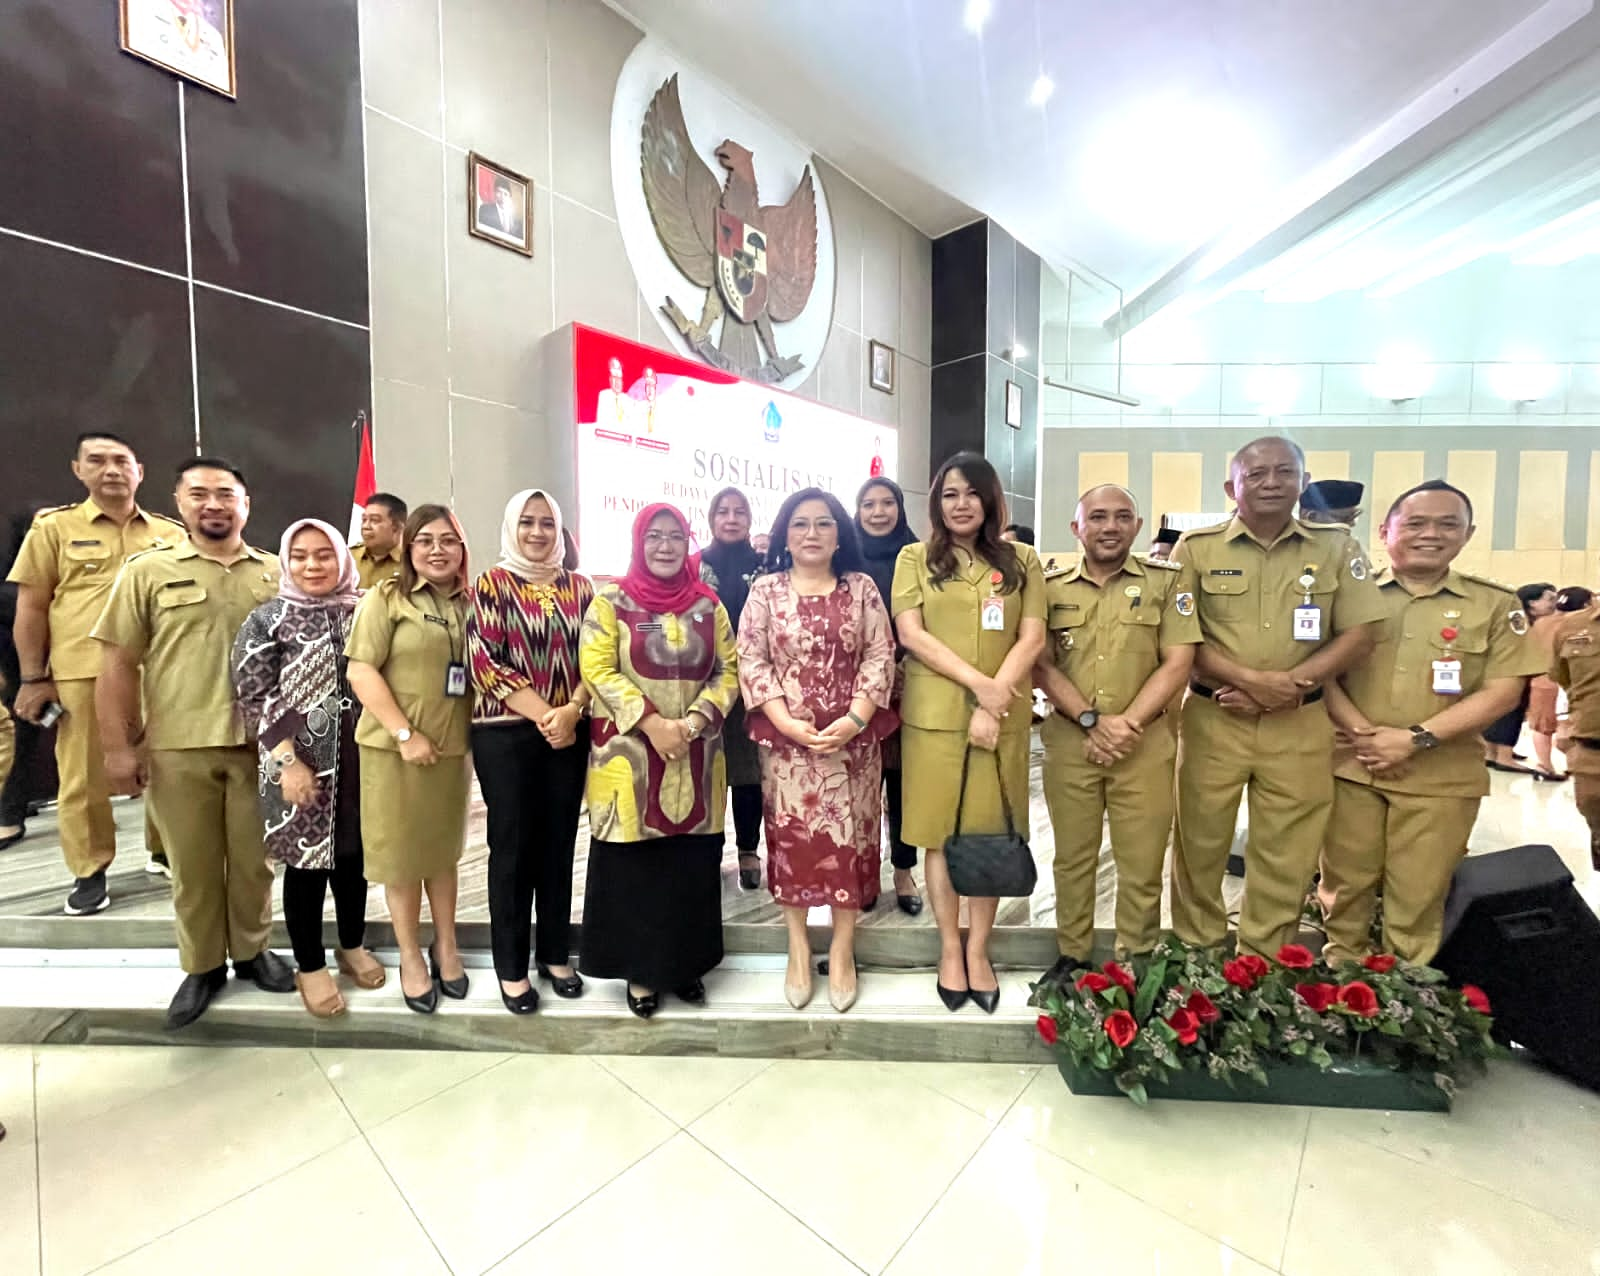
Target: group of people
column 320, row 709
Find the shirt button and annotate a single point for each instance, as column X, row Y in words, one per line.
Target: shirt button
column 1099, row 657
column 1266, row 624
column 1408, row 633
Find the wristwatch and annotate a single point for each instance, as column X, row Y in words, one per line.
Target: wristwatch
column 1422, row 738
column 402, row 735
column 695, row 732
column 1088, row 718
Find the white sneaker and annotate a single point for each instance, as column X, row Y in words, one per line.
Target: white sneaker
column 157, row 866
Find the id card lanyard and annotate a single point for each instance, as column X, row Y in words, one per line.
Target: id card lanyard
column 455, row 673
column 1447, row 668
column 993, row 612
column 1307, row 617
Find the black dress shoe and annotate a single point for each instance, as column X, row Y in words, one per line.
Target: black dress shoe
column 1062, row 974
column 986, row 1001
column 522, row 1003
column 568, row 986
column 644, row 1006
column 910, row 905
column 193, row 996
column 455, row 989
column 425, row 1004
column 953, row 999
column 693, row 992
column 267, row 971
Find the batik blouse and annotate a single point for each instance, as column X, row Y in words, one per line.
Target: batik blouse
column 524, row 636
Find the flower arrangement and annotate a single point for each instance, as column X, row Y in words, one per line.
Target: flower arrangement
column 1183, row 1009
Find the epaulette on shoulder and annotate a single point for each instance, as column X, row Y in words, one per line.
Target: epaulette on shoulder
column 1163, row 564
column 1210, row 529
column 167, row 518
column 1056, row 565
column 1489, row 581
column 56, row 509
column 146, row 553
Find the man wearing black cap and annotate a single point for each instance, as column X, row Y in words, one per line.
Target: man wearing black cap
column 1161, row 547
column 1331, row 501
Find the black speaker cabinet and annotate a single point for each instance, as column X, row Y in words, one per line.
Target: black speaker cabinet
column 1515, row 926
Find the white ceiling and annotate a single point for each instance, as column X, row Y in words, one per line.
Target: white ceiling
column 1189, row 146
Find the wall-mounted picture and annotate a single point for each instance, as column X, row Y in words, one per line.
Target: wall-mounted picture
column 191, row 38
column 1013, row 405
column 880, row 366
column 499, row 205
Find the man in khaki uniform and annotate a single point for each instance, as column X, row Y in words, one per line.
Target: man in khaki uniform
column 1451, row 657
column 64, row 573
column 1284, row 607
column 1577, row 668
column 1121, row 645
column 383, row 519
column 175, row 613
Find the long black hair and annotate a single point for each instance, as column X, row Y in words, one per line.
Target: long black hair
column 846, row 557
column 999, row 554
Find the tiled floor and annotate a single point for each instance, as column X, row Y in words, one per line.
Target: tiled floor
column 131, row 1160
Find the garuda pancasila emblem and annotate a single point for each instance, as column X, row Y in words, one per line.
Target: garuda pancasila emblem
column 756, row 262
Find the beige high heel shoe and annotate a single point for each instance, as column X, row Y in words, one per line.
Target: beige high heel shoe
column 324, row 1007
column 842, row 1001
column 361, row 966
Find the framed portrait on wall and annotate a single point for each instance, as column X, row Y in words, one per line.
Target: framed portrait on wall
column 191, row 38
column 1013, row 405
column 880, row 366
column 499, row 205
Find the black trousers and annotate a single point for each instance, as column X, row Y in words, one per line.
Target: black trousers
column 304, row 889
column 533, row 794
column 17, row 790
column 746, row 817
column 900, row 855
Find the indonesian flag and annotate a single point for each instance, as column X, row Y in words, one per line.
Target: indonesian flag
column 366, row 479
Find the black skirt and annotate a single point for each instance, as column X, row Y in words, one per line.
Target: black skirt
column 652, row 910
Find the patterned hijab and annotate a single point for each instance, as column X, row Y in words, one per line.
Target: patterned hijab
column 345, row 593
column 511, row 556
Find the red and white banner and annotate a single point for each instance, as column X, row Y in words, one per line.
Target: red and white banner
column 366, row 479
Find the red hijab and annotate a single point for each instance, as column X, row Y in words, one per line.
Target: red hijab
column 663, row 596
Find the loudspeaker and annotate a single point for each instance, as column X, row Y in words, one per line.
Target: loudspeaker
column 1515, row 926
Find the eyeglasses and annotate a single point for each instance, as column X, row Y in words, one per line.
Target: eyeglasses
column 804, row 525
column 442, row 542
column 665, row 538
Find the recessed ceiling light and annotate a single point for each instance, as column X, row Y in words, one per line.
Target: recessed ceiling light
column 977, row 13
column 1043, row 87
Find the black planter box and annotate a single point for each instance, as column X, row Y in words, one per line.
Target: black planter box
column 1348, row 1084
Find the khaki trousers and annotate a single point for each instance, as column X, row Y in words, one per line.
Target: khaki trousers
column 83, row 798
column 8, row 744
column 1586, row 792
column 1410, row 844
column 207, row 806
column 1286, row 759
column 1136, row 794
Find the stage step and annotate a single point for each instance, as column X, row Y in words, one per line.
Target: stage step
column 119, row 996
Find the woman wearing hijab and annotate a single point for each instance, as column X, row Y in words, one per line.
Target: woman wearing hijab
column 883, row 532
column 734, row 563
column 658, row 657
column 290, row 684
column 529, row 741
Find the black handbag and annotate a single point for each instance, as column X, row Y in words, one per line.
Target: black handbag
column 987, row 865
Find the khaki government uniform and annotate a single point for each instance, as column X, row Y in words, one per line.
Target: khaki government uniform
column 177, row 612
column 1577, row 668
column 1107, row 641
column 374, row 571
column 1246, row 595
column 936, row 712
column 1407, row 834
column 73, row 553
column 413, row 818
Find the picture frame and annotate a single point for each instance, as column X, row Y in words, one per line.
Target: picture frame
column 193, row 39
column 1013, row 405
column 499, row 205
column 880, row 366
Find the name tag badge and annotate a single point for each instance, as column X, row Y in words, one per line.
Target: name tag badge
column 455, row 680
column 1308, row 624
column 994, row 614
column 1447, row 677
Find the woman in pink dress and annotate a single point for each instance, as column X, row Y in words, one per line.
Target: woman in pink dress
column 816, row 657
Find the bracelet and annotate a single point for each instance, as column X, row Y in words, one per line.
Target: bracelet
column 28, row 682
column 860, row 723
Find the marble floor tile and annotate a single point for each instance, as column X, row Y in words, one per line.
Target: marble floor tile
column 1361, row 1211
column 79, row 1083
column 336, row 1213
column 681, row 1210
column 1225, row 1170
column 1020, row 1210
column 17, row 1093
column 176, row 1153
column 378, row 1084
column 488, row 1163
column 806, row 1123
column 19, row 1165
column 989, row 1089
column 683, row 1088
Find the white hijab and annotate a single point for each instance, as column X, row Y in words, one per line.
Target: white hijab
column 511, row 556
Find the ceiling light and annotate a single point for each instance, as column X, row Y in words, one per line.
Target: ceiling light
column 977, row 13
column 1523, row 382
column 1399, row 376
column 1043, row 87
column 1018, row 353
column 1272, row 388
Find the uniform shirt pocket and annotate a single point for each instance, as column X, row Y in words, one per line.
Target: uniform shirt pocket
column 87, row 560
column 1226, row 597
column 186, row 594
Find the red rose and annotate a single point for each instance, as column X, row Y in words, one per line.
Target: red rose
column 1237, row 973
column 1047, row 1029
column 1296, row 957
column 1257, row 966
column 1380, row 963
column 1318, row 996
column 1122, row 1028
column 1094, row 981
column 1185, row 1025
column 1476, row 998
column 1203, row 1008
column 1120, row 976
column 1359, row 999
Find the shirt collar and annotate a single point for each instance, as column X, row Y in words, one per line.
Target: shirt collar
column 1451, row 584
column 91, row 511
column 1131, row 566
column 1236, row 529
column 186, row 548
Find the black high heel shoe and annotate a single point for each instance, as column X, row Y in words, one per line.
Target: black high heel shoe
column 694, row 992
column 985, row 1001
column 644, row 1006
column 568, row 986
column 953, row 998
column 425, row 1004
column 522, row 1003
column 750, row 878
column 455, row 989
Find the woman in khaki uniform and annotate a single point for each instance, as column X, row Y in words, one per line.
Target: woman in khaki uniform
column 970, row 611
column 407, row 653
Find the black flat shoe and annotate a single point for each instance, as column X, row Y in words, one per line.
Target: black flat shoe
column 910, row 905
column 267, row 971
column 455, row 989
column 568, row 986
column 644, row 1006
column 694, row 993
column 11, row 839
column 867, row 908
column 986, row 1001
column 1061, row 975
column 193, row 996
column 425, row 1004
column 953, row 999
column 750, row 878
column 523, row 1003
